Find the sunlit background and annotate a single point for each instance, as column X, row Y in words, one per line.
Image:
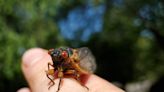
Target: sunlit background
column 125, row 36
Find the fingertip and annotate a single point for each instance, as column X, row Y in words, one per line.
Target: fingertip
column 31, row 56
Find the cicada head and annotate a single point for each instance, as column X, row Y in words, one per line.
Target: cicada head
column 59, row 53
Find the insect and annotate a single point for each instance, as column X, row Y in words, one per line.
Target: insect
column 69, row 62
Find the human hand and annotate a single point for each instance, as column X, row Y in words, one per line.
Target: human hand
column 34, row 64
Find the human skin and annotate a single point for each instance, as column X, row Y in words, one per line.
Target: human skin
column 34, row 64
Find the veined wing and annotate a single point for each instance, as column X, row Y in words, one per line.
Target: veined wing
column 87, row 60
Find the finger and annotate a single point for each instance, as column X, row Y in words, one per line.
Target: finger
column 97, row 84
column 24, row 90
column 34, row 65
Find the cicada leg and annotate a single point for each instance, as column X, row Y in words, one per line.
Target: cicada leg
column 49, row 64
column 76, row 75
column 59, row 85
column 50, row 72
column 60, row 76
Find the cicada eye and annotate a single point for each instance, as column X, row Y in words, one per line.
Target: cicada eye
column 64, row 54
column 55, row 53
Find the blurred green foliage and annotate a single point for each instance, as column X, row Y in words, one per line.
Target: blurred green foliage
column 129, row 47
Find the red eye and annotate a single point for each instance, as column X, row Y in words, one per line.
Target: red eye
column 64, row 54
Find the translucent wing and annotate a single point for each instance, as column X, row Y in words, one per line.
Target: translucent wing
column 87, row 60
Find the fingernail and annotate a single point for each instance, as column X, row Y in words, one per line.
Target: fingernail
column 32, row 56
column 24, row 90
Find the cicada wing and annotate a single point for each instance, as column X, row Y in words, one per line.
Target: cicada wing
column 87, row 60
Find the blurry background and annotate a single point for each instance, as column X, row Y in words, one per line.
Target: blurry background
column 126, row 37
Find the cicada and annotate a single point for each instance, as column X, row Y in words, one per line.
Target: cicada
column 70, row 63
